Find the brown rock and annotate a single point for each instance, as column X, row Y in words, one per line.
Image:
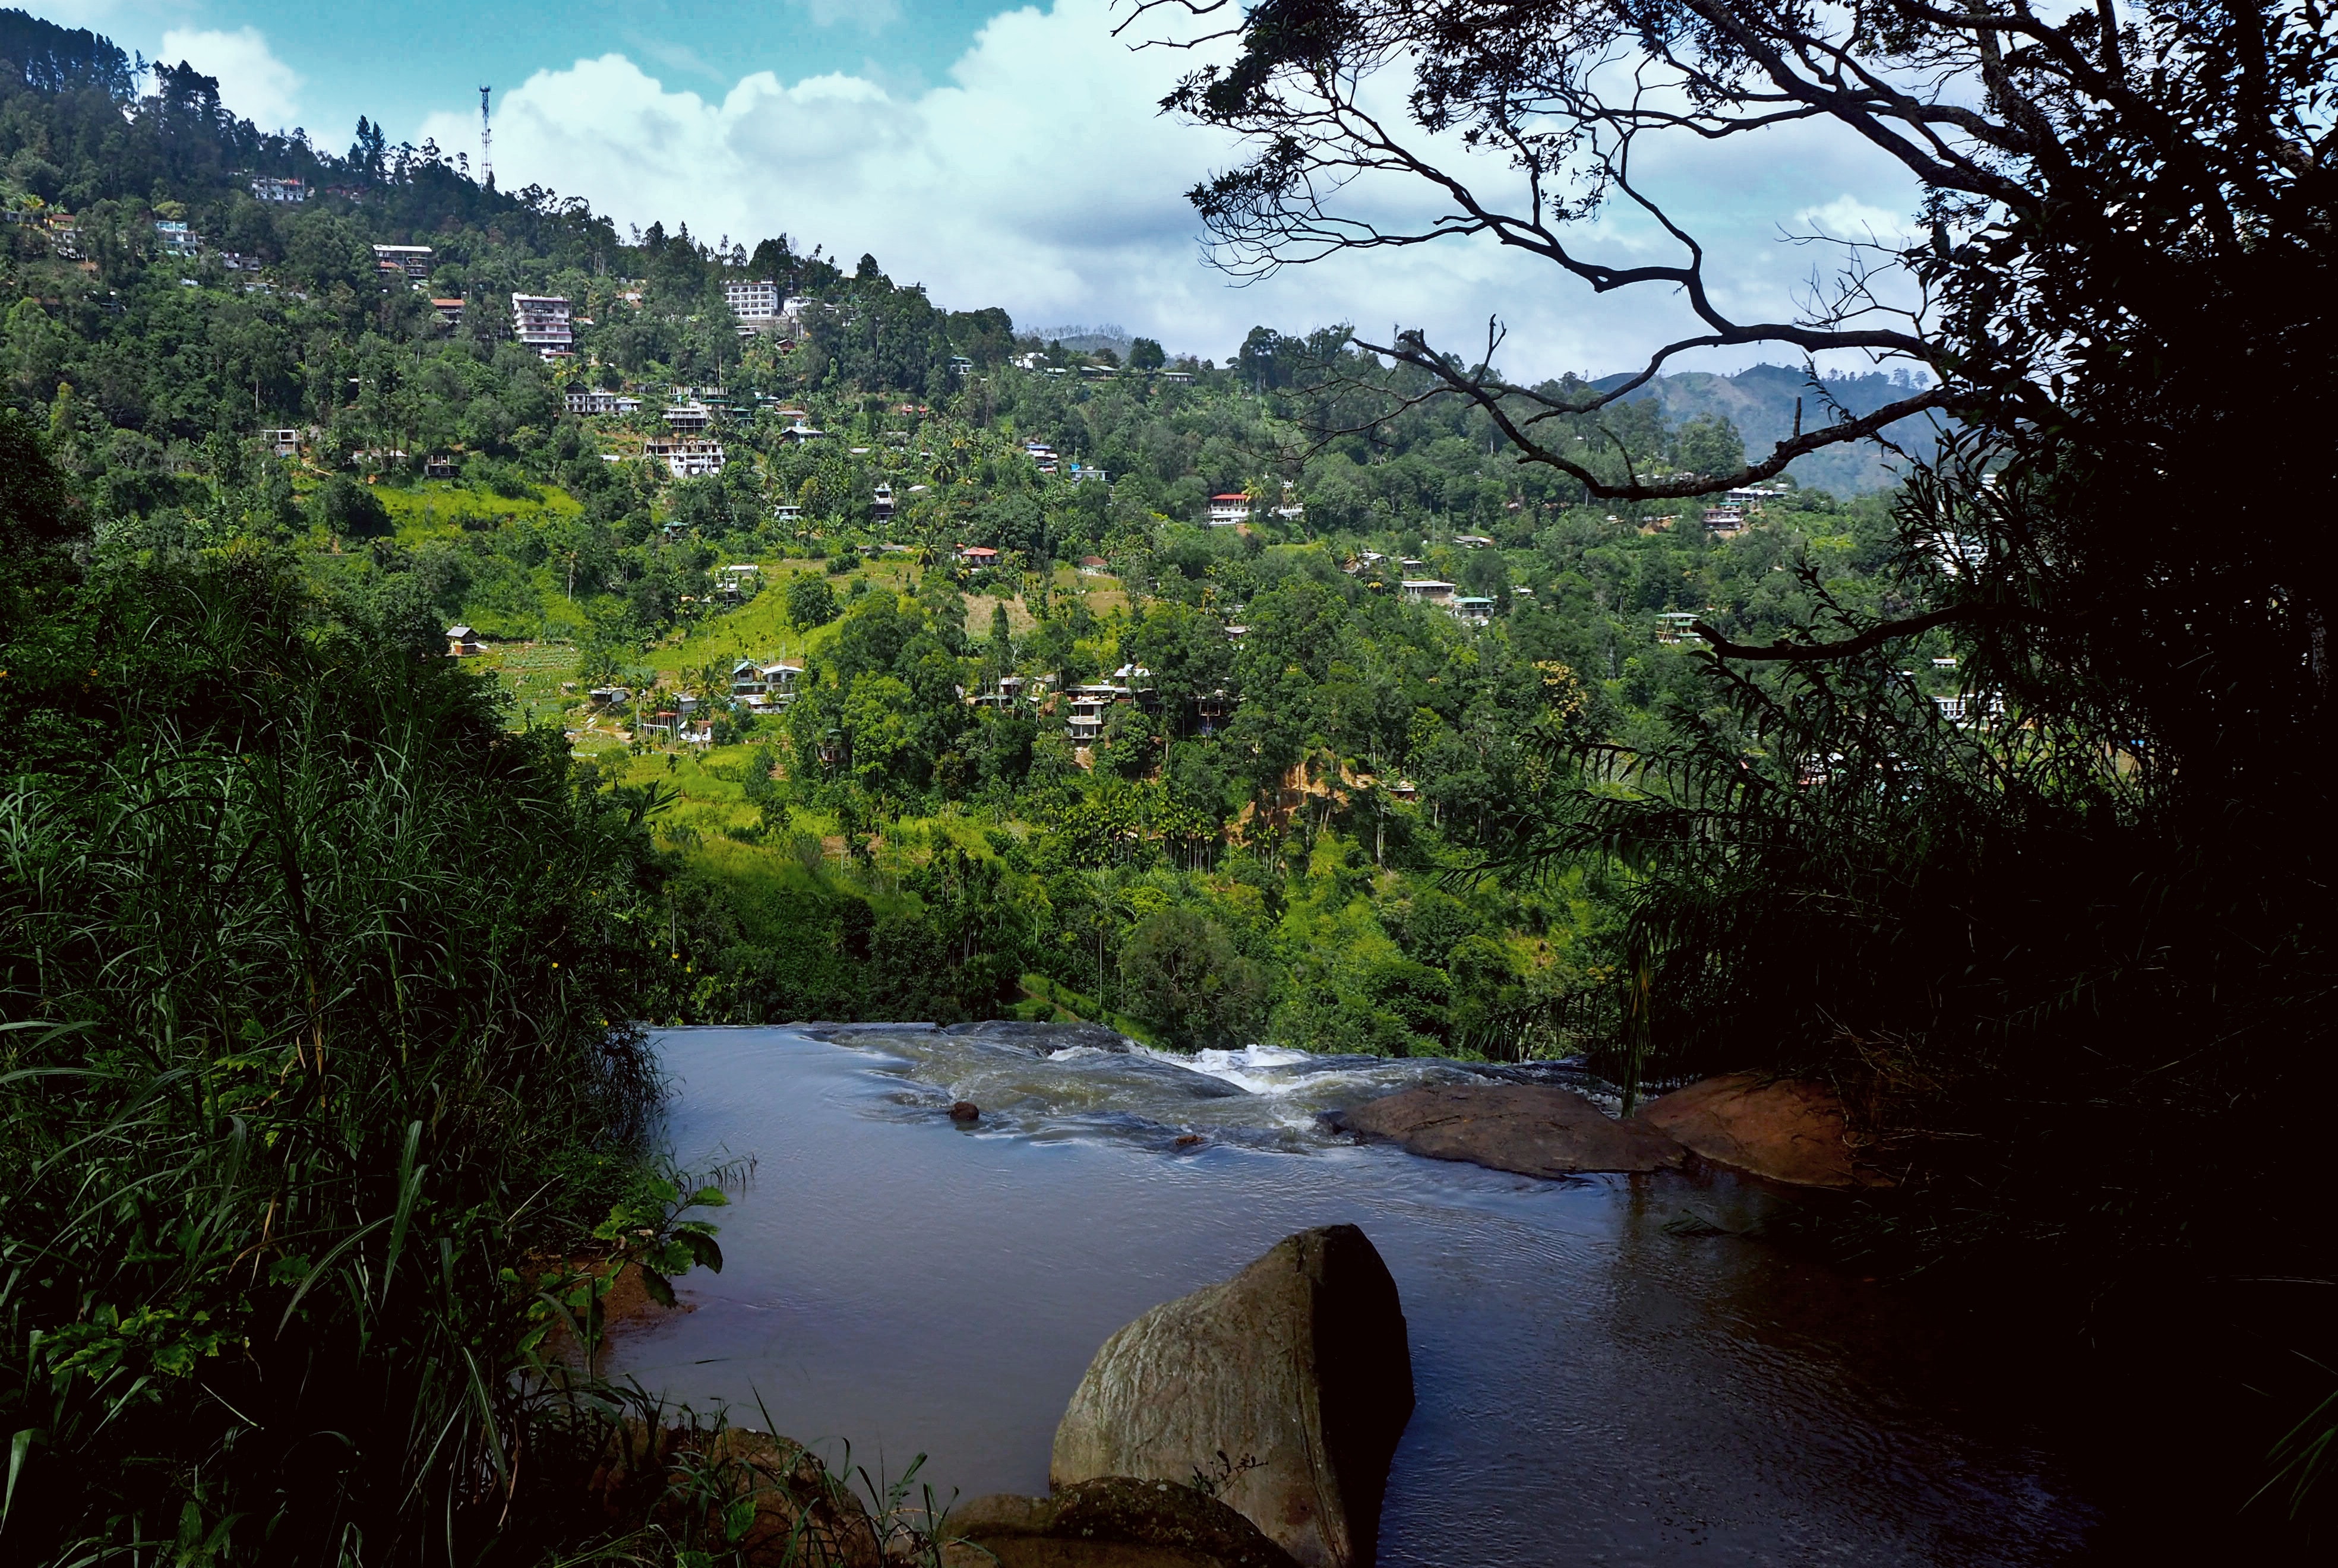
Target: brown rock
column 1111, row 1522
column 802, row 1517
column 1532, row 1129
column 1787, row 1130
column 966, row 1110
column 1286, row 1389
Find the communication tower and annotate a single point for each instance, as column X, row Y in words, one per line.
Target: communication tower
column 486, row 142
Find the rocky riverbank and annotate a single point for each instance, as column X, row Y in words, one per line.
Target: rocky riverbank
column 1783, row 1130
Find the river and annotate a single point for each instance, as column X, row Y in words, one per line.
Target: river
column 1606, row 1373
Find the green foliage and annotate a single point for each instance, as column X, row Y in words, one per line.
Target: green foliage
column 314, row 988
column 350, row 510
column 811, row 602
column 1183, row 974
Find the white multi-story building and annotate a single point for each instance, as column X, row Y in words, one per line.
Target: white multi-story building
column 1226, row 511
column 413, row 260
column 541, row 322
column 688, row 459
column 177, row 240
column 595, row 402
column 268, row 188
column 757, row 302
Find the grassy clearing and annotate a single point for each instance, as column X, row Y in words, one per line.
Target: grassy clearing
column 438, row 508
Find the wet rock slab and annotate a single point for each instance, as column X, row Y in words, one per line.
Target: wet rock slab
column 1787, row 1130
column 1111, row 1522
column 1534, row 1129
column 1043, row 1039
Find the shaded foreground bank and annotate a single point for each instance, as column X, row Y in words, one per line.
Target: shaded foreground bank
column 309, row 968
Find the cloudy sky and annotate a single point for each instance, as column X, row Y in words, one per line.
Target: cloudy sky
column 1000, row 156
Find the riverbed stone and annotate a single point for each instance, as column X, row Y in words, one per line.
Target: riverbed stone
column 1785, row 1128
column 1110, row 1521
column 1042, row 1039
column 1283, row 1391
column 1534, row 1129
column 803, row 1515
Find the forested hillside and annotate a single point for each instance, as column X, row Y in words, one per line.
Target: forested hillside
column 1298, row 753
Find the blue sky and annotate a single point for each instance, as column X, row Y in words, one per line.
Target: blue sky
column 1000, row 155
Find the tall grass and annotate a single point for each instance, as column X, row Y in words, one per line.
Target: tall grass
column 314, row 981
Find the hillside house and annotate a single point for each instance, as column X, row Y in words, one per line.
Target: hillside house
column 692, row 416
column 1476, row 610
column 1228, row 510
column 1006, row 694
column 1673, row 627
column 1093, row 565
column 765, row 686
column 438, row 468
column 755, row 305
column 268, row 188
column 1427, row 591
column 541, row 322
column 686, row 460
column 450, row 311
column 1472, row 541
column 592, row 402
column 881, row 501
column 1083, row 723
column 977, row 555
column 177, row 240
column 283, row 443
column 412, row 260
column 462, row 642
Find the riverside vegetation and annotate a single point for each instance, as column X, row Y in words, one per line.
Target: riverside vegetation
column 327, row 952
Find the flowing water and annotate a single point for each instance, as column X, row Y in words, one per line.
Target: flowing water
column 1606, row 1374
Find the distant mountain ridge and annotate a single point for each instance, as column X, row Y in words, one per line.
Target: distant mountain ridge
column 1760, row 402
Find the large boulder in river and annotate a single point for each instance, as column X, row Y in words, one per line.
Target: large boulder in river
column 1536, row 1130
column 1788, row 1129
column 1112, row 1522
column 1283, row 1391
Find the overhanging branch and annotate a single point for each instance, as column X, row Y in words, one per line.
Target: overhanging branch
column 1874, row 637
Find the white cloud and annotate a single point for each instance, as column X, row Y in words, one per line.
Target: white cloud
column 253, row 81
column 1041, row 176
